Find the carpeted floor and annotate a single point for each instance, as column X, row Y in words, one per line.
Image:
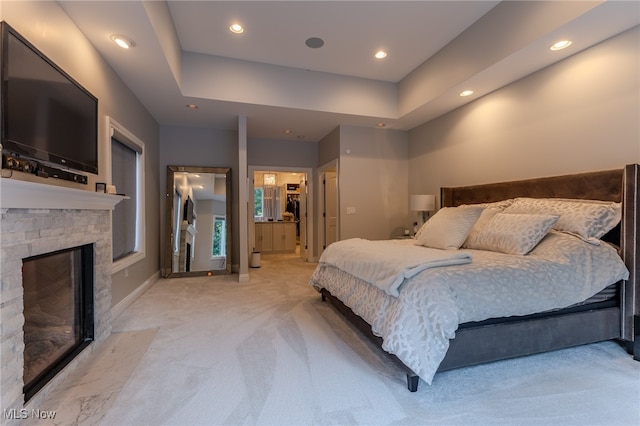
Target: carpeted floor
column 212, row 351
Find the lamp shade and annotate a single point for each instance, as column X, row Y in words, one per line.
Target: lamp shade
column 423, row 203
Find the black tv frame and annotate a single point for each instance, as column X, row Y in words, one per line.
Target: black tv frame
column 23, row 152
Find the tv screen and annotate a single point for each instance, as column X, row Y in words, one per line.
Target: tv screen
column 46, row 115
column 188, row 211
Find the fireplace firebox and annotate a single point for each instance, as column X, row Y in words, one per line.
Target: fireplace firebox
column 58, row 312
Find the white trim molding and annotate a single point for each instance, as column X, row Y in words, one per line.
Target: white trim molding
column 17, row 194
column 115, row 129
column 120, row 307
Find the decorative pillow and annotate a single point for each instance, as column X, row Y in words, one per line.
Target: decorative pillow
column 448, row 228
column 588, row 219
column 481, row 223
column 514, row 233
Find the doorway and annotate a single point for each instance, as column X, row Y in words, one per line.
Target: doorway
column 280, row 208
column 328, row 205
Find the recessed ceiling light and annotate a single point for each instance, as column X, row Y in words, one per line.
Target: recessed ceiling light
column 466, row 93
column 191, row 106
column 560, row 45
column 287, row 131
column 236, row 28
column 314, row 42
column 381, row 124
column 122, row 41
column 380, row 54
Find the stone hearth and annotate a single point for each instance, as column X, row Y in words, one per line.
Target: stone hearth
column 38, row 219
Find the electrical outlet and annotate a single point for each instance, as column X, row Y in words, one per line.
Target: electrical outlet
column 126, row 272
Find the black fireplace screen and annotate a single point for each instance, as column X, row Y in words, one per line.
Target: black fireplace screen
column 58, row 312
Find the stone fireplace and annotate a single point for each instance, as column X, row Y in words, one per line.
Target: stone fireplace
column 37, row 219
column 187, row 238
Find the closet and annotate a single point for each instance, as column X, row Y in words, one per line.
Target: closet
column 276, row 237
column 276, row 213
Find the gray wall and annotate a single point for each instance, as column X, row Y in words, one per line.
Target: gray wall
column 294, row 154
column 578, row 115
column 191, row 146
column 329, row 148
column 373, row 179
column 114, row 99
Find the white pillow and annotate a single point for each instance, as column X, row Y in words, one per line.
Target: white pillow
column 588, row 219
column 448, row 228
column 514, row 233
column 481, row 223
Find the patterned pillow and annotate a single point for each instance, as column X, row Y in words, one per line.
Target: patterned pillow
column 481, row 223
column 588, row 219
column 514, row 233
column 448, row 228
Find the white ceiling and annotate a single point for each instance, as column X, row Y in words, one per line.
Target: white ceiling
column 352, row 32
column 185, row 54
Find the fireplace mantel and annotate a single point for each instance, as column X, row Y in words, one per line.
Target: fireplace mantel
column 16, row 194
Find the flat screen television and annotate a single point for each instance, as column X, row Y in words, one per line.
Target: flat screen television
column 188, row 211
column 46, row 115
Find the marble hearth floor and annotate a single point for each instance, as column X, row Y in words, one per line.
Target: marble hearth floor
column 208, row 351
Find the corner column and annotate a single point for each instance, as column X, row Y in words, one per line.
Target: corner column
column 243, row 200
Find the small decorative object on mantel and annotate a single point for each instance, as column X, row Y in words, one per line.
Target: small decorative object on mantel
column 111, row 189
column 101, row 187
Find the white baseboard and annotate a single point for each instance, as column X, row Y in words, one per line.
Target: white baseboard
column 133, row 296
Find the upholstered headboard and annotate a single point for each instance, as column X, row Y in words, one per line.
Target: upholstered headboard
column 605, row 185
column 612, row 185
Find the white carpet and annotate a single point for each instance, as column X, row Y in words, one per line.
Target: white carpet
column 269, row 352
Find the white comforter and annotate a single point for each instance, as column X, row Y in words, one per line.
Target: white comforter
column 386, row 265
column 416, row 326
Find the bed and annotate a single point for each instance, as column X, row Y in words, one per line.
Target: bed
column 435, row 318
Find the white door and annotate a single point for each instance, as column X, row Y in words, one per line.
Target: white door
column 303, row 218
column 330, row 208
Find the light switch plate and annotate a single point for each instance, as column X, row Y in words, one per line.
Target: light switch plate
column 351, row 210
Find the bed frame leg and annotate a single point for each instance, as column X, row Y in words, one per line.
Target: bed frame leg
column 412, row 382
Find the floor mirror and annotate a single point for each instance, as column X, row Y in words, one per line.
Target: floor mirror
column 198, row 222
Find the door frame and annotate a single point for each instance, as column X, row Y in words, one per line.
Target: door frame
column 310, row 204
column 332, row 165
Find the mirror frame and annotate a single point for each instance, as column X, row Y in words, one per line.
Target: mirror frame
column 167, row 269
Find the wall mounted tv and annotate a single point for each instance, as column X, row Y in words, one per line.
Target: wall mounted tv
column 46, row 115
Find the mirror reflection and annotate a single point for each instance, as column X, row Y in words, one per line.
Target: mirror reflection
column 198, row 216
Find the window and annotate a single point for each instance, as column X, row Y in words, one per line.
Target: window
column 124, row 175
column 127, row 175
column 219, row 237
column 177, row 214
column 258, row 200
